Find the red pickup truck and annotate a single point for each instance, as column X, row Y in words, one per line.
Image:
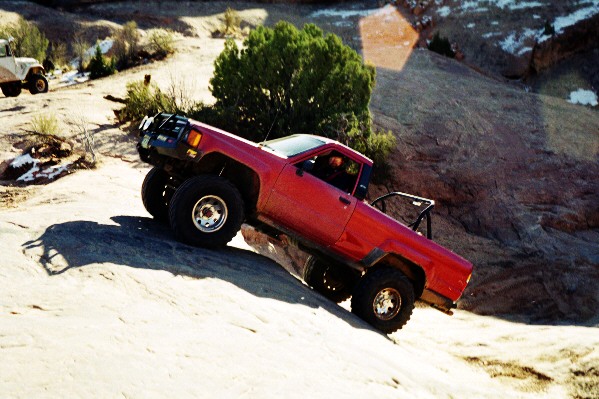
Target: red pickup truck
column 207, row 182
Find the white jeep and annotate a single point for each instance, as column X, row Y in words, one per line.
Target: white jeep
column 16, row 73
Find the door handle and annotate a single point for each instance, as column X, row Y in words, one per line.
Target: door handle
column 344, row 200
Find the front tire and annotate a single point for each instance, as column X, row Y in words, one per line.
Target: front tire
column 384, row 298
column 156, row 193
column 206, row 211
column 12, row 89
column 328, row 279
column 38, row 84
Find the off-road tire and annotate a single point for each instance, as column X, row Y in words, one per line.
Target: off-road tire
column 12, row 89
column 206, row 211
column 38, row 84
column 328, row 279
column 384, row 298
column 156, row 193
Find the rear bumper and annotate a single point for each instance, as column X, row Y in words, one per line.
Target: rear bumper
column 438, row 301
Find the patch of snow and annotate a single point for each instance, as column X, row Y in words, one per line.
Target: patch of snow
column 471, row 25
column 35, row 172
column 535, row 16
column 491, row 34
column 515, row 43
column 495, row 23
column 105, row 46
column 30, row 174
column 473, row 6
column 73, row 77
column 444, row 11
column 54, row 171
column 584, row 13
column 562, row 23
column 584, row 97
column 342, row 23
column 337, row 13
column 23, row 160
column 517, row 5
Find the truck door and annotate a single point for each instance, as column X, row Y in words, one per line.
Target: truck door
column 305, row 202
column 7, row 64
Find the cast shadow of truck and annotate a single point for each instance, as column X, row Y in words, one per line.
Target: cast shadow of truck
column 140, row 242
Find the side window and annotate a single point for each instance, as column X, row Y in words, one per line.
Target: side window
column 336, row 169
column 3, row 51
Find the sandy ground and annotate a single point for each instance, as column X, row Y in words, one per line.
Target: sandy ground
column 100, row 301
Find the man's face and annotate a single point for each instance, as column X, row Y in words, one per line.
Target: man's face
column 335, row 162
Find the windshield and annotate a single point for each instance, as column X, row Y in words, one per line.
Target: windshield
column 293, row 145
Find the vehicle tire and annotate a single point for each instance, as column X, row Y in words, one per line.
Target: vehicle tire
column 156, row 193
column 384, row 298
column 206, row 211
column 12, row 89
column 328, row 279
column 38, row 84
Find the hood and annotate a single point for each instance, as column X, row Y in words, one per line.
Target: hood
column 23, row 64
column 27, row 61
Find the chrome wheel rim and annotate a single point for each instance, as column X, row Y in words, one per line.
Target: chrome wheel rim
column 40, row 85
column 386, row 304
column 209, row 214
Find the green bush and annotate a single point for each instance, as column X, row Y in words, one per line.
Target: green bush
column 441, row 46
column 161, row 42
column 29, row 41
column 45, row 124
column 232, row 21
column 287, row 81
column 126, row 45
column 142, row 99
column 99, row 66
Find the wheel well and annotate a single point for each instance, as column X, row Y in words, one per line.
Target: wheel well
column 34, row 71
column 244, row 178
column 410, row 269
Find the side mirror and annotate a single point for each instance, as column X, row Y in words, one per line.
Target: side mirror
column 306, row 166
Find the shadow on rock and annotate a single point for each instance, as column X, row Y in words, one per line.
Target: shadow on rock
column 142, row 243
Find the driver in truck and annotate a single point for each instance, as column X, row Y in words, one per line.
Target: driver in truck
column 334, row 172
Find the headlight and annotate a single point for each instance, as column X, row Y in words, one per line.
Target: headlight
column 146, row 122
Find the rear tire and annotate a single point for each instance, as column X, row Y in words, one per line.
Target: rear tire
column 12, row 89
column 206, row 211
column 328, row 279
column 384, row 298
column 156, row 193
column 38, row 84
